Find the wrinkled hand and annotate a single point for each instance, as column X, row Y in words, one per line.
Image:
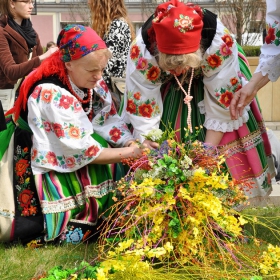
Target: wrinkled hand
column 150, row 144
column 48, row 53
column 241, row 99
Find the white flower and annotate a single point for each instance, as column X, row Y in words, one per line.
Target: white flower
column 154, row 134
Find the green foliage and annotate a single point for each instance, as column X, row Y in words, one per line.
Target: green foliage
column 252, row 50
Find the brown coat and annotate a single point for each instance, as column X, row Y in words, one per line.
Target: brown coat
column 14, row 63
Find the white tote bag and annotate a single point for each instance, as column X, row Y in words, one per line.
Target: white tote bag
column 7, row 96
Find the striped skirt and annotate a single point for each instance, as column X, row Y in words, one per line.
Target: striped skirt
column 50, row 206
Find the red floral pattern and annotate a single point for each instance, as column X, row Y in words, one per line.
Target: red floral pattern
column 134, row 52
column 225, row 98
column 146, row 110
column 26, row 201
column 92, row 151
column 21, row 166
column 214, row 61
column 115, row 134
column 57, row 128
column 66, row 101
column 131, row 106
column 51, row 158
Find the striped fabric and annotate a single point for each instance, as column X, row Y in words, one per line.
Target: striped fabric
column 71, row 203
column 248, row 152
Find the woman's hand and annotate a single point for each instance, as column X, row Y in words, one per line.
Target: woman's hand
column 48, row 53
column 150, row 144
column 246, row 94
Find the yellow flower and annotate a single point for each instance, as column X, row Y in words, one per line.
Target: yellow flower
column 242, row 221
column 100, row 275
column 124, row 245
column 168, row 247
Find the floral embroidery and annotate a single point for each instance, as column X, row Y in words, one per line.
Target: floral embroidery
column 26, row 201
column 115, row 134
column 215, row 60
column 142, row 64
column 70, row 162
column 92, row 151
column 134, row 52
column 102, row 90
column 146, row 109
column 137, row 95
column 153, row 74
column 59, row 132
column 46, row 95
column 184, row 23
column 150, row 71
column 50, row 158
column 65, row 101
column 74, row 235
column 225, row 94
column 64, row 130
column 36, row 92
column 273, row 34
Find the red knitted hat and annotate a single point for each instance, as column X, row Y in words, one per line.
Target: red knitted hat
column 177, row 27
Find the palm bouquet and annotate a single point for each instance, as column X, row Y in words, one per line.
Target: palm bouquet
column 177, row 205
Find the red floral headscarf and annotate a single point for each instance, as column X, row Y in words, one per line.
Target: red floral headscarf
column 76, row 41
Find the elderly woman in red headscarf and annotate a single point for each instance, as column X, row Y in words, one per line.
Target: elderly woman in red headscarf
column 65, row 121
column 183, row 69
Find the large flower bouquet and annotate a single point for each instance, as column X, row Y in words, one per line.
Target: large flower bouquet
column 177, row 206
column 175, row 218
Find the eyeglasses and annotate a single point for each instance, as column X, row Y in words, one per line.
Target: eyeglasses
column 27, row 2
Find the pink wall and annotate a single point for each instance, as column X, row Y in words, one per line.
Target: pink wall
column 43, row 24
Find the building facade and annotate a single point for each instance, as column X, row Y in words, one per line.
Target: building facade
column 52, row 15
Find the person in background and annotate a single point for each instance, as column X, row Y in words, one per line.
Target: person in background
column 20, row 47
column 66, row 125
column 183, row 69
column 269, row 63
column 109, row 19
column 50, row 44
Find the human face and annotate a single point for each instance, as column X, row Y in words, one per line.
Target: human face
column 86, row 71
column 178, row 71
column 22, row 9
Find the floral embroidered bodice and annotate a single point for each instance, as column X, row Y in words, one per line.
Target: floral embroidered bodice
column 221, row 77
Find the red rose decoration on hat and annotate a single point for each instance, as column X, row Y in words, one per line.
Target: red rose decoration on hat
column 177, row 27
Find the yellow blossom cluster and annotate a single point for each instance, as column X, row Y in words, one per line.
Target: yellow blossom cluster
column 270, row 261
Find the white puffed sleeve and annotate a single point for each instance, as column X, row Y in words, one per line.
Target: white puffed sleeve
column 142, row 101
column 270, row 51
column 61, row 131
column 222, row 78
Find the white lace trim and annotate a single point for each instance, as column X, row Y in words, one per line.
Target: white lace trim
column 7, row 214
column 72, row 202
column 269, row 64
column 78, row 91
column 220, row 125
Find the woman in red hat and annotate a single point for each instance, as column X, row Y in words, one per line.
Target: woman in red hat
column 184, row 68
column 66, row 120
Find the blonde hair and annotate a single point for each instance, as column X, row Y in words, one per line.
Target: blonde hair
column 103, row 12
column 169, row 62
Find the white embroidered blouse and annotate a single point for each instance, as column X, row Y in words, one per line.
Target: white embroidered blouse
column 222, row 77
column 270, row 51
column 62, row 132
